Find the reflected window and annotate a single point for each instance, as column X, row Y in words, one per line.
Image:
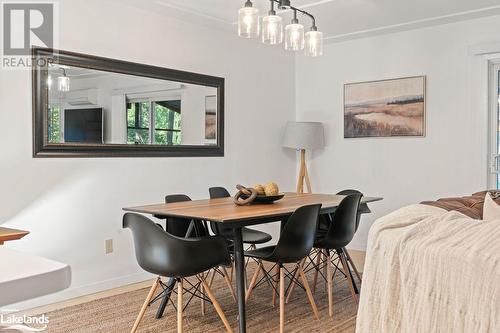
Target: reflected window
column 167, row 122
column 138, row 120
column 154, row 122
column 54, row 124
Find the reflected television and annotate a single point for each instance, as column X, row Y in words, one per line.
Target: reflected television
column 83, row 125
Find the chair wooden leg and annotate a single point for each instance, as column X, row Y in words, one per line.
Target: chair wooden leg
column 228, row 282
column 180, row 291
column 214, row 272
column 295, row 276
column 329, row 279
column 145, row 305
column 253, row 281
column 282, row 299
column 316, row 270
column 349, row 260
column 325, row 268
column 309, row 293
column 276, row 285
column 217, row 306
column 349, row 280
column 202, row 277
column 233, row 269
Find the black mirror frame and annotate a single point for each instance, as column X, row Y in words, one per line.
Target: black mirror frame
column 41, row 148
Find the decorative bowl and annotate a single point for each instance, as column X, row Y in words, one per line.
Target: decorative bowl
column 265, row 199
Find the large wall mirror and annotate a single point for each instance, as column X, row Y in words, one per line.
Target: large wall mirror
column 91, row 106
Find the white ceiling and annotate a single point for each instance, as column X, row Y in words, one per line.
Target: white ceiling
column 338, row 19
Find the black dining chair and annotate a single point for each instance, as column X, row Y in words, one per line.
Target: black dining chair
column 295, row 244
column 166, row 255
column 331, row 245
column 186, row 228
column 324, row 224
column 363, row 209
column 179, row 226
column 250, row 236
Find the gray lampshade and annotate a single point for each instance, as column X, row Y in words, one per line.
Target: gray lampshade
column 304, row 135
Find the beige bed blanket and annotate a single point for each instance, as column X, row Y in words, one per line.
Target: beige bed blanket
column 429, row 270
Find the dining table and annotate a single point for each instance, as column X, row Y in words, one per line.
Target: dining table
column 226, row 212
column 9, row 234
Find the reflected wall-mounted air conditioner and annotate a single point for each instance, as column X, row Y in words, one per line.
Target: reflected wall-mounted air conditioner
column 82, row 97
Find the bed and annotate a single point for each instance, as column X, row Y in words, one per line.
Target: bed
column 432, row 267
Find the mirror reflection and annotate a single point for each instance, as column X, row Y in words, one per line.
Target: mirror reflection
column 88, row 106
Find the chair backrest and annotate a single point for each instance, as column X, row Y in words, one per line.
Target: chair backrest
column 218, row 192
column 218, row 228
column 363, row 208
column 343, row 226
column 152, row 247
column 178, row 226
column 297, row 237
column 347, row 192
column 163, row 254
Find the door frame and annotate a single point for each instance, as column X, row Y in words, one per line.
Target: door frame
column 493, row 122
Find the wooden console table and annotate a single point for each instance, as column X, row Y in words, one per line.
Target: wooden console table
column 8, row 234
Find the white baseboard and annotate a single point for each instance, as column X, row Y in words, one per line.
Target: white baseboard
column 80, row 291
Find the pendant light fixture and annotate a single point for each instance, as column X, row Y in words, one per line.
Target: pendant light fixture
column 49, row 82
column 272, row 27
column 248, row 21
column 294, row 35
column 63, row 82
column 314, row 42
column 284, row 4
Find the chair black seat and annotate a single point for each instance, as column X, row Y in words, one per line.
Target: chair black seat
column 296, row 239
column 261, row 253
column 322, row 242
column 252, row 236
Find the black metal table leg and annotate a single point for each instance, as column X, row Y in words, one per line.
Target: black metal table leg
column 166, row 297
column 240, row 278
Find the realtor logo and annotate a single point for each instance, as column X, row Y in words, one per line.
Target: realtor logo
column 25, row 25
column 11, row 321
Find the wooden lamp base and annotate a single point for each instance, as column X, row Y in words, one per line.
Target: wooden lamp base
column 303, row 175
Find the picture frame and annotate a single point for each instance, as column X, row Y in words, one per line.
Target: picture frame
column 393, row 107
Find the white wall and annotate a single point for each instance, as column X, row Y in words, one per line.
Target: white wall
column 72, row 205
column 449, row 161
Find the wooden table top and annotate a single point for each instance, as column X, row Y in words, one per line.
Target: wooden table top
column 224, row 210
column 8, row 234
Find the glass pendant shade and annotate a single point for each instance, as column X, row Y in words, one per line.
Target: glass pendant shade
column 294, row 37
column 63, row 83
column 248, row 22
column 314, row 43
column 272, row 29
column 49, row 82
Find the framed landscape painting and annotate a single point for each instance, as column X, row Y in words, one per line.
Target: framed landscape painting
column 385, row 108
column 210, row 117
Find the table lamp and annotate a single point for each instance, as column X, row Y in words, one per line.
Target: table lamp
column 302, row 135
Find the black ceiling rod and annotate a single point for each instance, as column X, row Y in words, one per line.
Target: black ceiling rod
column 285, row 4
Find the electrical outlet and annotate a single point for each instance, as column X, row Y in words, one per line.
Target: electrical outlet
column 109, row 246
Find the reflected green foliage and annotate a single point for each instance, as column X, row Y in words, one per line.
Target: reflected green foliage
column 54, row 120
column 167, row 124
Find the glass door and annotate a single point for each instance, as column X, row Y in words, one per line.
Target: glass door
column 494, row 170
